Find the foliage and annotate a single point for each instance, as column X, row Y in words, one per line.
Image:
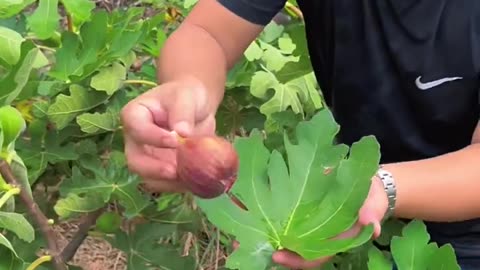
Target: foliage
column 67, row 67
column 299, row 204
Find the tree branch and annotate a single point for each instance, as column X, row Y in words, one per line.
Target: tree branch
column 72, row 247
column 36, row 214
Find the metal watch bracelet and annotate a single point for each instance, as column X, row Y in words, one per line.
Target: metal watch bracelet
column 389, row 185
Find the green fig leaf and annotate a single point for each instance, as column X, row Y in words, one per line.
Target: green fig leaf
column 299, row 203
column 18, row 224
column 413, row 250
column 5, row 242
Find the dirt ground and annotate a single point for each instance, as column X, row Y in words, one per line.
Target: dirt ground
column 94, row 253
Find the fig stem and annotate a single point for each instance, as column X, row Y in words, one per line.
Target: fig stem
column 180, row 139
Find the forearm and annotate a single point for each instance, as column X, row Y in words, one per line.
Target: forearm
column 445, row 188
column 191, row 52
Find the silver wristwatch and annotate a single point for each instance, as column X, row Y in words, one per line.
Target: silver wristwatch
column 390, row 188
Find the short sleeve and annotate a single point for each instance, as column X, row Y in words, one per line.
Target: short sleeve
column 255, row 11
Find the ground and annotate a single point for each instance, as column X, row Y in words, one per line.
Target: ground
column 95, row 253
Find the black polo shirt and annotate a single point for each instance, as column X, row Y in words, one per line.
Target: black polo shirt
column 405, row 71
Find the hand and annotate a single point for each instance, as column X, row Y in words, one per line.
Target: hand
column 148, row 121
column 372, row 212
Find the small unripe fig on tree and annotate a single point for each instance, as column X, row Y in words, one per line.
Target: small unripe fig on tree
column 207, row 165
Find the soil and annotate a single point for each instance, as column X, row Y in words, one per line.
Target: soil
column 94, row 253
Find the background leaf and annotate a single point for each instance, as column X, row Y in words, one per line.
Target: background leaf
column 18, row 224
column 109, row 79
column 45, row 19
column 80, row 10
column 66, row 108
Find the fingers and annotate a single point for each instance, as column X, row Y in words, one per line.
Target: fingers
column 140, row 119
column 291, row 260
column 206, row 127
column 294, row 261
column 156, row 167
column 366, row 217
column 147, row 166
column 374, row 207
column 353, row 232
column 181, row 113
column 157, row 185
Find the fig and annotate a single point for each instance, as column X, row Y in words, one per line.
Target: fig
column 207, row 165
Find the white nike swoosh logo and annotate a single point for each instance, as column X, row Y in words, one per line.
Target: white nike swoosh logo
column 425, row 86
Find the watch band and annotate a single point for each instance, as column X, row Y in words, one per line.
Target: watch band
column 390, row 188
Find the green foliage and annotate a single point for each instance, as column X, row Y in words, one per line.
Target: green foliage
column 414, row 251
column 299, row 204
column 67, row 67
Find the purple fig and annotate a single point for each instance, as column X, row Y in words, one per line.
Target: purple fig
column 207, row 165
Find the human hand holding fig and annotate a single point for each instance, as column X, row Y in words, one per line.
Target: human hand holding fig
column 148, row 121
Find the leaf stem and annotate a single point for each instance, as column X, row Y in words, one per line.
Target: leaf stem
column 141, row 82
column 8, row 195
column 39, row 261
column 69, row 23
column 291, row 8
column 45, row 48
column 37, row 215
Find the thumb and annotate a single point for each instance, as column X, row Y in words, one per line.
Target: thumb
column 181, row 114
column 368, row 217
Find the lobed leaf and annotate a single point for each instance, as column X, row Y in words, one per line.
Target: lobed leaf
column 98, row 122
column 294, row 94
column 73, row 205
column 413, row 250
column 44, row 148
column 109, row 79
column 110, row 182
column 66, row 108
column 299, row 203
column 377, row 260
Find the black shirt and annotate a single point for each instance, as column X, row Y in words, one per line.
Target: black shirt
column 405, row 71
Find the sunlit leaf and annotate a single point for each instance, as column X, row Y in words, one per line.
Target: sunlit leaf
column 74, row 205
column 109, row 79
column 80, row 10
column 18, row 224
column 45, row 19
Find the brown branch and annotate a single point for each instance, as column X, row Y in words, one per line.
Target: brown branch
column 36, row 214
column 69, row 23
column 82, row 233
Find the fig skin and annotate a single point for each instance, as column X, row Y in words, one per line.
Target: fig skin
column 207, row 165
